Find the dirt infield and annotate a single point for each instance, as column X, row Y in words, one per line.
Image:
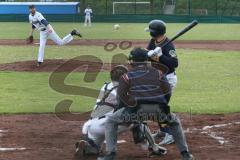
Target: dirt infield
column 195, row 44
column 45, row 137
column 51, row 65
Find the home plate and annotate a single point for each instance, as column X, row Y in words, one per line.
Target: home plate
column 3, row 131
column 119, row 141
column 12, row 149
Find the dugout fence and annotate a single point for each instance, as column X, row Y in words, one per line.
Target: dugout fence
column 165, row 7
column 212, row 11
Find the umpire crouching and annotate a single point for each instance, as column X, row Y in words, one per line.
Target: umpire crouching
column 141, row 94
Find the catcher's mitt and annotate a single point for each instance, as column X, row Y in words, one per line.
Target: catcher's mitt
column 29, row 40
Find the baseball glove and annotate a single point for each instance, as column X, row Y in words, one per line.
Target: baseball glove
column 29, row 40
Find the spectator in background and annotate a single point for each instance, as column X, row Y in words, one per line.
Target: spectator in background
column 88, row 15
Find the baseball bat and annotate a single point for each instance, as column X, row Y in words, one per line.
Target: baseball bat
column 183, row 31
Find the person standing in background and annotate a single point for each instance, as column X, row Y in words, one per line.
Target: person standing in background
column 88, row 15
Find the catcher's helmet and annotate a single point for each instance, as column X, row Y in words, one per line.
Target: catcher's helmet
column 138, row 55
column 117, row 72
column 157, row 28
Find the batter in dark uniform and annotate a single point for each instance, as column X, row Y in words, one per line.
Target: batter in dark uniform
column 167, row 56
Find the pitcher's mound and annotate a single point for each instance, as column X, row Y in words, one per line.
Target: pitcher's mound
column 50, row 65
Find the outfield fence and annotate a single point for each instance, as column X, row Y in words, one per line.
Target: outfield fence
column 165, row 7
column 212, row 11
column 124, row 18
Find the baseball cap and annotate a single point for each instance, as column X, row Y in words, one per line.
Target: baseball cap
column 31, row 6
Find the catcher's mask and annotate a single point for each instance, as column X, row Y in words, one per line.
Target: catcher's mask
column 117, row 72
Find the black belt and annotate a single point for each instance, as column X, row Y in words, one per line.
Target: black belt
column 107, row 104
column 98, row 117
column 44, row 29
column 102, row 117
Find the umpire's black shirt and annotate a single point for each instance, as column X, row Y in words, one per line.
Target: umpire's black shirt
column 143, row 85
column 169, row 57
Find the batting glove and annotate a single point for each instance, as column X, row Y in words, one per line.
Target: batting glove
column 151, row 53
column 158, row 51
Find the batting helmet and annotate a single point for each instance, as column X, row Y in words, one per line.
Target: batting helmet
column 157, row 28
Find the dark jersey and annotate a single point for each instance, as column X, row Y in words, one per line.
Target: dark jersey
column 169, row 57
column 143, row 85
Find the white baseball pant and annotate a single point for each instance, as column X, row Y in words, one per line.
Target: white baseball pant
column 95, row 129
column 172, row 80
column 87, row 21
column 45, row 35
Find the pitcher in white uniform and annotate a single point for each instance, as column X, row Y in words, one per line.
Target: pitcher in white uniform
column 88, row 15
column 38, row 22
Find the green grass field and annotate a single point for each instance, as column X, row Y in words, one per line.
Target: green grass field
column 14, row 30
column 208, row 81
column 10, row 54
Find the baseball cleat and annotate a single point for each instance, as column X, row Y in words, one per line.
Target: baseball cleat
column 159, row 151
column 76, row 33
column 168, row 139
column 110, row 156
column 187, row 156
column 39, row 64
column 80, row 149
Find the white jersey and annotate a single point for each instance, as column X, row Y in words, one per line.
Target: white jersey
column 46, row 32
column 112, row 96
column 95, row 127
column 88, row 12
column 36, row 20
column 109, row 102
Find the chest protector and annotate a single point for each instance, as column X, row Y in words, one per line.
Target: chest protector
column 104, row 107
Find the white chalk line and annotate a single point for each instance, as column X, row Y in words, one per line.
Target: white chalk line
column 11, row 149
column 206, row 130
column 119, row 141
column 2, row 132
